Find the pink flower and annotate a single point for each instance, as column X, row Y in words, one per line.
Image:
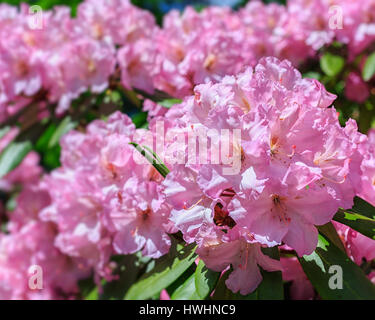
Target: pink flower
column 137, row 65
column 358, row 246
column 33, row 245
column 356, row 89
column 301, row 288
column 138, row 218
column 293, row 157
column 244, row 258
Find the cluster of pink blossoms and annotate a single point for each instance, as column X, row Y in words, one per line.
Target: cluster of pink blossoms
column 297, row 165
column 102, row 201
column 295, row 160
column 62, row 57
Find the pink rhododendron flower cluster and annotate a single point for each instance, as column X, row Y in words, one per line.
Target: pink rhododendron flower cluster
column 297, row 166
column 29, row 244
column 58, row 59
column 255, row 155
column 67, row 56
column 103, row 200
column 33, row 245
column 295, row 160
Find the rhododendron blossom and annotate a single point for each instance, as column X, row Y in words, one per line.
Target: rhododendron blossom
column 198, row 152
column 295, row 159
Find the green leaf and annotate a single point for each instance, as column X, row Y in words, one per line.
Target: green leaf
column 139, row 119
column 223, row 293
column 317, row 268
column 65, row 126
column 187, row 291
column 127, row 271
column 312, row 75
column 356, row 221
column 331, row 64
column 152, row 157
column 205, row 280
column 369, row 69
column 271, row 287
column 167, row 269
column 363, row 208
column 13, row 155
column 4, row 131
column 168, row 103
column 41, row 144
column 329, row 231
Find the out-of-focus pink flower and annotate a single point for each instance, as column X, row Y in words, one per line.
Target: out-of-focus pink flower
column 31, row 246
column 356, row 89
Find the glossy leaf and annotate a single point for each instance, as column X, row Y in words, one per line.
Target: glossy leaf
column 320, row 268
column 331, row 64
column 187, row 291
column 65, row 126
column 356, row 221
column 329, row 231
column 205, row 280
column 13, row 155
column 369, row 68
column 167, row 269
column 363, row 208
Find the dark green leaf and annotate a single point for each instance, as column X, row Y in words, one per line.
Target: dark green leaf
column 330, row 232
column 167, row 269
column 363, row 208
column 41, row 144
column 317, row 267
column 369, row 69
column 13, row 155
column 187, row 291
column 139, row 119
column 331, row 64
column 205, row 280
column 356, row 221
